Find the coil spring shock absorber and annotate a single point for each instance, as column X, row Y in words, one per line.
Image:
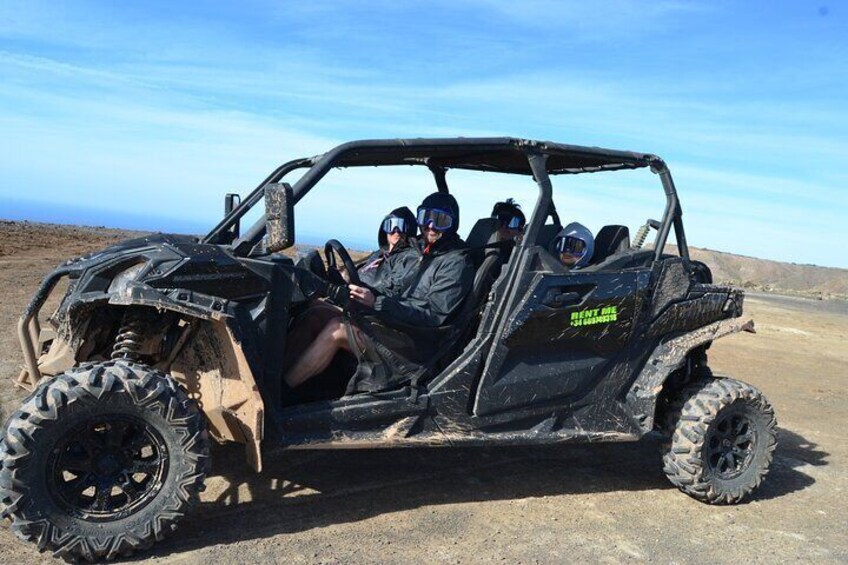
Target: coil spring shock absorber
column 642, row 234
column 130, row 336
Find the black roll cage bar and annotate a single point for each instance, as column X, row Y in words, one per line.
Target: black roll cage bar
column 506, row 155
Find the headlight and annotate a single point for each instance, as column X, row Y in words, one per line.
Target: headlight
column 124, row 278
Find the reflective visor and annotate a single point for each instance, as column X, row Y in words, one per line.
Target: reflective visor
column 510, row 222
column 571, row 245
column 393, row 223
column 439, row 220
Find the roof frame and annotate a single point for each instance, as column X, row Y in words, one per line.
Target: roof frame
column 496, row 154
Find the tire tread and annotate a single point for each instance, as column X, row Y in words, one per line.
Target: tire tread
column 687, row 425
column 149, row 388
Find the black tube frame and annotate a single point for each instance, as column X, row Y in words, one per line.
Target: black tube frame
column 321, row 164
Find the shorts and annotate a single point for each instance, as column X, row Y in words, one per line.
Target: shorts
column 388, row 358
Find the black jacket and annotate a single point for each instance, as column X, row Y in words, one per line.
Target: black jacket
column 390, row 272
column 442, row 281
column 402, row 345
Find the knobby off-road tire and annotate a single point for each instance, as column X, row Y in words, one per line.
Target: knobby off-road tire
column 722, row 441
column 674, row 404
column 102, row 460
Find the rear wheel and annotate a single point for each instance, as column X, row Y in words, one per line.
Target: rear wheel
column 722, row 441
column 102, row 460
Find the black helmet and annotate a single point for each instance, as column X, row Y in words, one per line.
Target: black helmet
column 441, row 210
column 410, row 226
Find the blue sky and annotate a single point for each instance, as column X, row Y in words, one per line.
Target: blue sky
column 144, row 114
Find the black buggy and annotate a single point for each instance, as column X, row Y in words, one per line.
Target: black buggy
column 164, row 342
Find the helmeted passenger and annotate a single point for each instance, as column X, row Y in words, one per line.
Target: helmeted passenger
column 574, row 245
column 443, row 278
column 380, row 333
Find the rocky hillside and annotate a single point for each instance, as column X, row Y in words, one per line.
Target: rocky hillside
column 774, row 276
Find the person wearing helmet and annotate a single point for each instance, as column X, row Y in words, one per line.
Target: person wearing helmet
column 574, row 245
column 444, row 276
column 511, row 220
column 388, row 270
column 378, row 332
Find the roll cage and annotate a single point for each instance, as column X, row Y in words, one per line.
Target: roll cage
column 538, row 159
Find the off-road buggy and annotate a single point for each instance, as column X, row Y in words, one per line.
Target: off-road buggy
column 165, row 342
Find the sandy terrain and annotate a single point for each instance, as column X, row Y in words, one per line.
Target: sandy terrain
column 603, row 503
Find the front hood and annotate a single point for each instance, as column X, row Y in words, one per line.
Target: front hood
column 126, row 247
column 162, row 263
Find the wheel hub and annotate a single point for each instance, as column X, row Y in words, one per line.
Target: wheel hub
column 730, row 445
column 106, row 467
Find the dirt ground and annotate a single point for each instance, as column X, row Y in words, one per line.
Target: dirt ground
column 607, row 503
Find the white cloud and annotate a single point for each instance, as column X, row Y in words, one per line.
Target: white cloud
column 116, row 100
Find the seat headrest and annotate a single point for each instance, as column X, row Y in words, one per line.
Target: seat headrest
column 546, row 236
column 484, row 232
column 609, row 241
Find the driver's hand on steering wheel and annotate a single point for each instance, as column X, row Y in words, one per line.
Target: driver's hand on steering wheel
column 362, row 295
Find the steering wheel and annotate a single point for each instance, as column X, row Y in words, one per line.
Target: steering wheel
column 347, row 262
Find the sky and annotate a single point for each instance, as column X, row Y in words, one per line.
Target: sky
column 143, row 115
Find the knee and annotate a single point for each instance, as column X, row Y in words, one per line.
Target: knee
column 339, row 332
column 335, row 331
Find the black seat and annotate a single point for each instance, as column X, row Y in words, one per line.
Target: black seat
column 609, row 241
column 488, row 257
column 464, row 325
column 546, row 236
column 483, row 232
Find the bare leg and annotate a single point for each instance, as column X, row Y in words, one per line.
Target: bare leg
column 307, row 328
column 319, row 354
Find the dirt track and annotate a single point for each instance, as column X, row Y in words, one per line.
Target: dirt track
column 603, row 503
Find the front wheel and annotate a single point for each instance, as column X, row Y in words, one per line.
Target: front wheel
column 102, row 460
column 722, row 441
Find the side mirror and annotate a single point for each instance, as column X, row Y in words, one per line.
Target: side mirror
column 279, row 217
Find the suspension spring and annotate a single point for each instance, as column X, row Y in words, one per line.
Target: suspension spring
column 641, row 236
column 130, row 337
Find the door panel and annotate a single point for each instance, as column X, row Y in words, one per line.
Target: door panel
column 559, row 340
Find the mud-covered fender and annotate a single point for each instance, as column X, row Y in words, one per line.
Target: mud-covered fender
column 189, row 303
column 213, row 368
column 668, row 357
column 63, row 355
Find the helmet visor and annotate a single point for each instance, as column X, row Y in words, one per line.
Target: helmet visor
column 571, row 245
column 439, row 220
column 393, row 224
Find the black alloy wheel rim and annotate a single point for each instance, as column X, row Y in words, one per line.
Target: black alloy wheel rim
column 730, row 445
column 107, row 467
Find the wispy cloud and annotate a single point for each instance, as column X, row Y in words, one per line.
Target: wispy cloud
column 179, row 103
